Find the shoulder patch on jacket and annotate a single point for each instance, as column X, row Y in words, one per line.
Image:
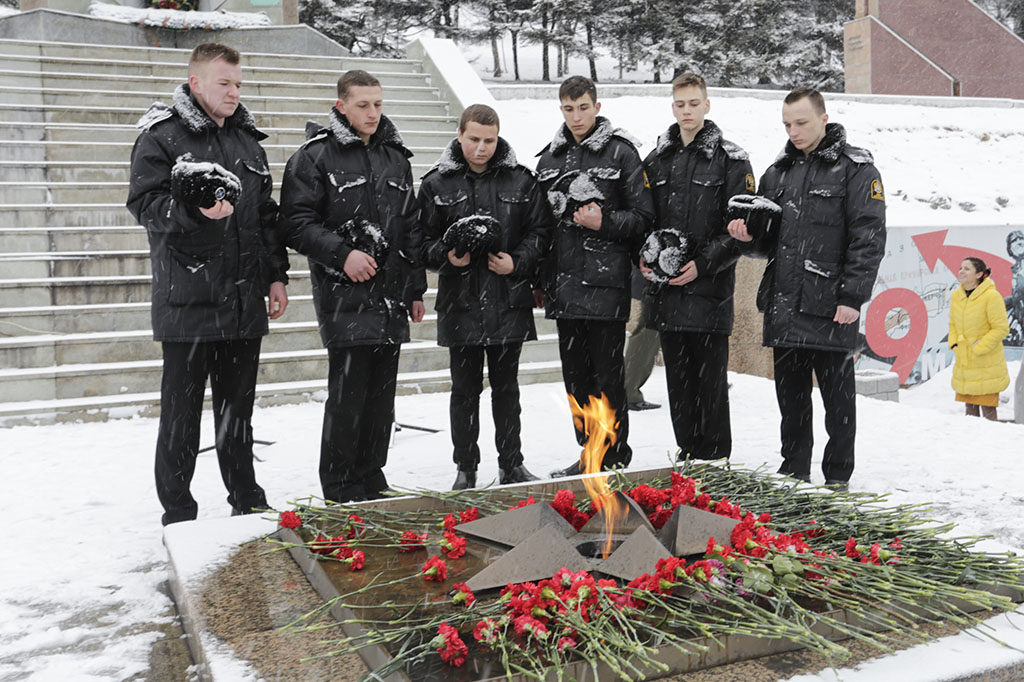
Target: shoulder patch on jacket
column 876, row 190
column 734, row 151
column 158, row 111
column 749, row 183
column 858, row 154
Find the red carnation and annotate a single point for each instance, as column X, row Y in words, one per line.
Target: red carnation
column 449, row 645
column 290, row 519
column 463, row 595
column 471, row 514
column 524, row 503
column 453, row 546
column 528, row 625
column 450, row 521
column 486, row 631
column 435, row 569
column 410, row 541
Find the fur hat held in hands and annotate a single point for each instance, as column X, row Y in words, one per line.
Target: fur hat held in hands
column 475, row 234
column 665, row 252
column 201, row 184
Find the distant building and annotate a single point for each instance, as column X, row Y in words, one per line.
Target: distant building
column 931, row 47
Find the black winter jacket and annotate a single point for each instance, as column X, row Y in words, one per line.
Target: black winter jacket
column 829, row 245
column 476, row 306
column 334, row 178
column 586, row 273
column 691, row 187
column 209, row 276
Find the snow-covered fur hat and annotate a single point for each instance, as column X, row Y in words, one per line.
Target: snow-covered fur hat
column 203, row 183
column 665, row 252
column 760, row 214
column 364, row 236
column 475, row 234
column 453, row 161
column 574, row 189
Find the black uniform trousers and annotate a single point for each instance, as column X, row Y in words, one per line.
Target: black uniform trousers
column 592, row 364
column 467, row 367
column 696, row 371
column 358, row 417
column 834, row 370
column 231, row 367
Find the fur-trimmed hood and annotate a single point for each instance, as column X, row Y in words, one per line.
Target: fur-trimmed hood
column 596, row 141
column 832, row 146
column 453, row 162
column 342, row 130
column 196, row 120
column 707, row 139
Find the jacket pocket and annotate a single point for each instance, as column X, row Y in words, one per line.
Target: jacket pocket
column 826, row 204
column 819, row 288
column 195, row 277
column 605, row 264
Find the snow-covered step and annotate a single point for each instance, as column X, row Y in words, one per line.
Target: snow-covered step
column 250, row 87
column 291, row 333
column 112, row 378
column 111, row 289
column 25, row 64
column 72, row 50
column 119, row 132
column 124, row 405
column 41, row 265
column 43, row 320
column 78, row 238
column 119, row 171
column 83, row 150
column 29, row 95
column 64, row 113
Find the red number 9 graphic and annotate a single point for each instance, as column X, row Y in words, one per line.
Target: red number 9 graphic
column 907, row 348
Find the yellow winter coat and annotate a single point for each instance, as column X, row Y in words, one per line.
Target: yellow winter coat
column 977, row 327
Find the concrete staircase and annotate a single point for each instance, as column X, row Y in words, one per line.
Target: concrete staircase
column 75, row 341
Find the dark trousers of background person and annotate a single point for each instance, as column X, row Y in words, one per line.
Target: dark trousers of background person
column 641, row 352
column 834, row 370
column 358, row 417
column 231, row 367
column 467, row 366
column 696, row 371
column 592, row 364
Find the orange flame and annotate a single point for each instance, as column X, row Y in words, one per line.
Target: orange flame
column 597, row 420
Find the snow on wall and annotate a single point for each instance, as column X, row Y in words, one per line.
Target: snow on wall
column 174, row 19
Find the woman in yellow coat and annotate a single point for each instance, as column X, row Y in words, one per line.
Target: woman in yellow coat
column 977, row 327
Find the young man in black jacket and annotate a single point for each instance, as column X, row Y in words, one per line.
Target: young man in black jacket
column 347, row 203
column 201, row 187
column 484, row 296
column 693, row 172
column 594, row 181
column 822, row 264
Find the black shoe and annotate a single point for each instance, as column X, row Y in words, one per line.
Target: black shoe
column 465, row 480
column 573, row 469
column 642, row 405
column 837, row 485
column 806, row 478
column 519, row 474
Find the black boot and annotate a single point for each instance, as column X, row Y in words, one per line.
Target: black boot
column 519, row 474
column 465, row 480
column 573, row 469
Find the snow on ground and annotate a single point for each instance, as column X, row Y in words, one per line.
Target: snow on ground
column 969, row 158
column 83, row 554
